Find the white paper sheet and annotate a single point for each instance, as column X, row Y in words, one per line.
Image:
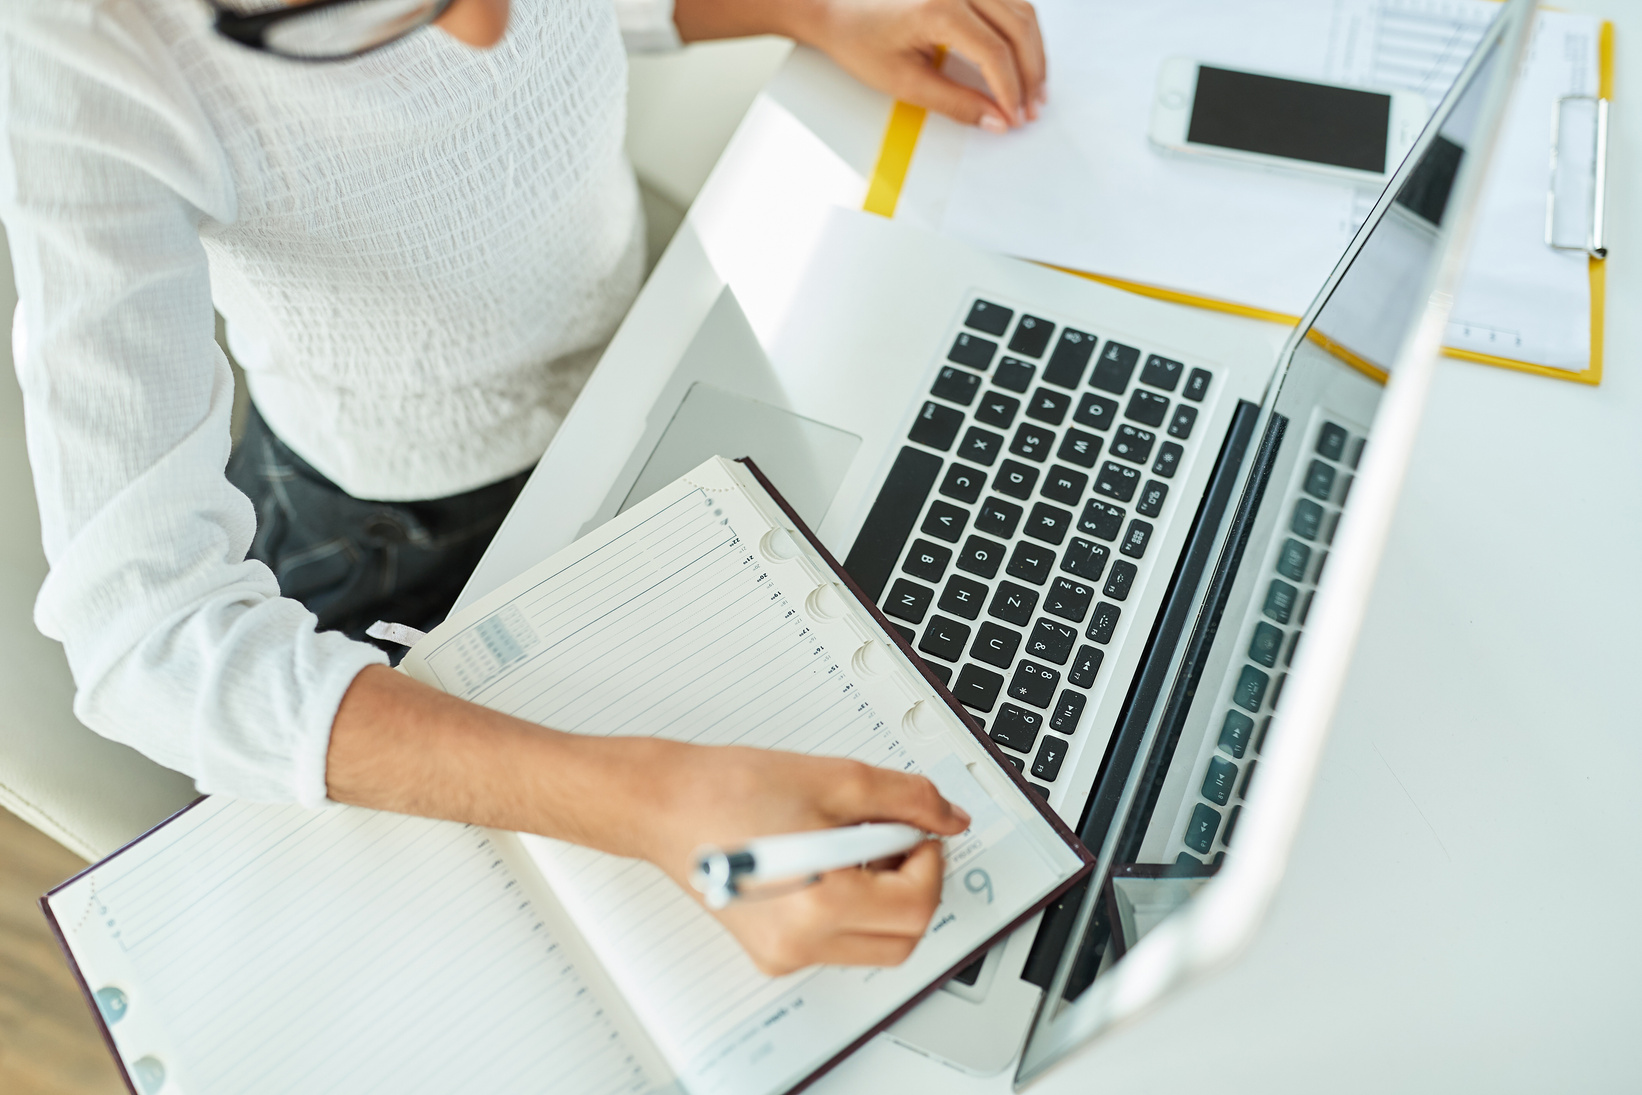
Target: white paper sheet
column 1084, row 187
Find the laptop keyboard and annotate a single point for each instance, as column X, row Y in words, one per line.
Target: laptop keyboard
column 1017, row 522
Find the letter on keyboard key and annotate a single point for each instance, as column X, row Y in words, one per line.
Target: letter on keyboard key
column 1033, row 683
column 1031, row 336
column 1095, row 411
column 1197, row 385
column 1234, row 734
column 970, row 350
column 1151, row 498
column 1030, row 563
column 981, row 446
column 1201, row 828
column 991, row 318
column 962, row 597
column 1015, row 479
column 1161, row 372
column 944, row 638
column 1014, row 374
column 1135, row 540
column 977, row 687
column 1116, row 365
column 1050, row 753
column 997, row 409
column 1131, row 444
column 1068, row 710
column 1069, row 600
column 1251, row 688
column 1049, row 406
column 1016, row 728
column 963, row 483
column 1147, row 407
column 1085, row 666
column 1168, row 460
column 1181, row 424
column 1079, row 448
column 927, row 560
column 1071, row 355
column 1064, row 485
column 995, row 645
column 1117, row 481
column 1085, row 558
column 1264, row 644
column 1051, row 641
column 1101, row 520
column 944, row 521
column 1104, row 622
column 999, row 517
column 1013, row 603
column 981, row 556
column 936, row 426
column 1218, row 780
column 1120, row 581
column 956, row 385
column 908, row 600
column 878, row 545
column 1049, row 523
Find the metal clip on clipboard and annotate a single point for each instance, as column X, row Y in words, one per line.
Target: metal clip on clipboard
column 1593, row 173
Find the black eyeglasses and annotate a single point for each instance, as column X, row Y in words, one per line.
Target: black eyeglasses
column 327, row 30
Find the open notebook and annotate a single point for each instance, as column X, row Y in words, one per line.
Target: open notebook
column 244, row 947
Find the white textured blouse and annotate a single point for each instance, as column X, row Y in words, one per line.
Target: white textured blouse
column 418, row 252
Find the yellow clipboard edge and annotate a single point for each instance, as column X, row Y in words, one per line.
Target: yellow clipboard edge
column 906, row 123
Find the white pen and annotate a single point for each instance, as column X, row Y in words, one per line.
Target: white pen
column 720, row 874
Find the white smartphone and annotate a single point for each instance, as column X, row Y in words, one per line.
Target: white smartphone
column 1280, row 123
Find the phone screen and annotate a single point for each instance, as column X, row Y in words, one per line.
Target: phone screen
column 1340, row 126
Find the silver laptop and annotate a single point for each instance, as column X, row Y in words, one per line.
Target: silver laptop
column 1118, row 529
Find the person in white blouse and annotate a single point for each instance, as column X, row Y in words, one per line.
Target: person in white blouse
column 420, row 242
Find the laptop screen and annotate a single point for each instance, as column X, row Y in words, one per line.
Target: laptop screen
column 1183, row 776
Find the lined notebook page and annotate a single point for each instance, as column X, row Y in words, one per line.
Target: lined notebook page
column 277, row 949
column 669, row 622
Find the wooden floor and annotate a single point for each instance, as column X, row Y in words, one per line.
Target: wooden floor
column 48, row 1042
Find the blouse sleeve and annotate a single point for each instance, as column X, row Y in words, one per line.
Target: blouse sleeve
column 179, row 646
column 647, row 25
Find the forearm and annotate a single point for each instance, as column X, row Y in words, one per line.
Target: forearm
column 703, row 20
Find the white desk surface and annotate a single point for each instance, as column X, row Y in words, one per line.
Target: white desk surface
column 1463, row 908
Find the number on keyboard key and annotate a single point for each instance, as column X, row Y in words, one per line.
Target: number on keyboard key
column 991, row 318
column 1030, row 563
column 1319, row 480
column 1033, row 683
column 1280, row 598
column 1160, row 372
column 1095, row 411
column 936, row 426
column 995, row 645
column 1147, row 407
column 977, row 687
column 1015, row 479
column 1117, row 481
column 908, row 600
column 962, row 597
column 1308, row 518
column 1031, row 336
column 945, row 521
column 1050, row 754
column 1068, row 710
column 1292, row 560
column 981, row 446
column 1080, row 448
column 1331, row 441
column 1016, row 728
column 1085, row 666
column 1120, row 581
column 956, row 385
column 1132, row 444
column 981, row 556
column 1085, row 558
column 1068, row 599
column 963, row 483
column 1104, row 622
column 944, row 638
column 1071, row 355
column 976, row 353
column 1101, row 520
column 1051, row 641
column 1013, row 603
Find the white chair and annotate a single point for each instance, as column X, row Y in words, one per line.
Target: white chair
column 93, row 795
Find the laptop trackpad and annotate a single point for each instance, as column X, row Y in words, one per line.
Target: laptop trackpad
column 805, row 459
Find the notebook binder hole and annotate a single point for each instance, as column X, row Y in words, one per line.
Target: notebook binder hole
column 872, row 659
column 826, row 602
column 921, row 720
column 778, row 545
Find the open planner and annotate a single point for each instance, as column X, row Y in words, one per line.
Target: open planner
column 248, row 947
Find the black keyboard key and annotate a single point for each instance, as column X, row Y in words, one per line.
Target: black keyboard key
column 970, row 350
column 1181, row 424
column 1068, row 710
column 981, row 556
column 1051, row 642
column 963, row 483
column 991, row 318
column 1085, row 558
column 1280, row 598
column 1048, row 523
column 1294, row 647
column 997, row 409
column 1147, row 407
column 1116, row 366
column 878, row 545
column 956, row 385
column 1168, row 460
column 1050, row 754
column 1197, row 385
column 1031, row 336
column 971, row 973
column 1117, row 481
column 1235, row 732
column 981, row 446
column 936, row 425
column 1265, row 644
column 927, row 560
column 1020, row 766
column 1016, row 728
column 944, row 638
column 1049, row 406
column 1231, row 823
column 1136, row 539
column 1033, row 683
column 1013, row 603
column 1015, row 479
column 1085, row 666
column 1331, row 441
column 1032, row 442
column 1150, row 502
column 977, row 687
column 1070, row 358
column 1218, row 780
column 1064, row 485
column 1101, row 520
column 1160, row 372
column 998, row 517
column 1248, row 778
column 1251, row 688
column 905, row 632
column 1039, row 790
column 945, row 521
column 908, row 600
column 1201, row 828
column 995, row 645
column 963, row 597
column 1120, row 581
column 1080, row 448
column 1131, row 444
column 1103, row 622
column 1319, row 480
column 1308, row 518
column 1030, row 563
column 943, row 673
column 1095, row 411
column 1014, row 374
column 1068, row 599
column 1292, row 560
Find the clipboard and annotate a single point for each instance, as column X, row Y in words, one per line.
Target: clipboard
column 906, row 123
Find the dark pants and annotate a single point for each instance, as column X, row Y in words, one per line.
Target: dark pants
column 352, row 561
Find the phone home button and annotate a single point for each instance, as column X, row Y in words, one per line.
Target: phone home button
column 1174, row 100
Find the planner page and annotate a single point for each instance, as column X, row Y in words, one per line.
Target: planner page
column 697, row 617
column 260, row 948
